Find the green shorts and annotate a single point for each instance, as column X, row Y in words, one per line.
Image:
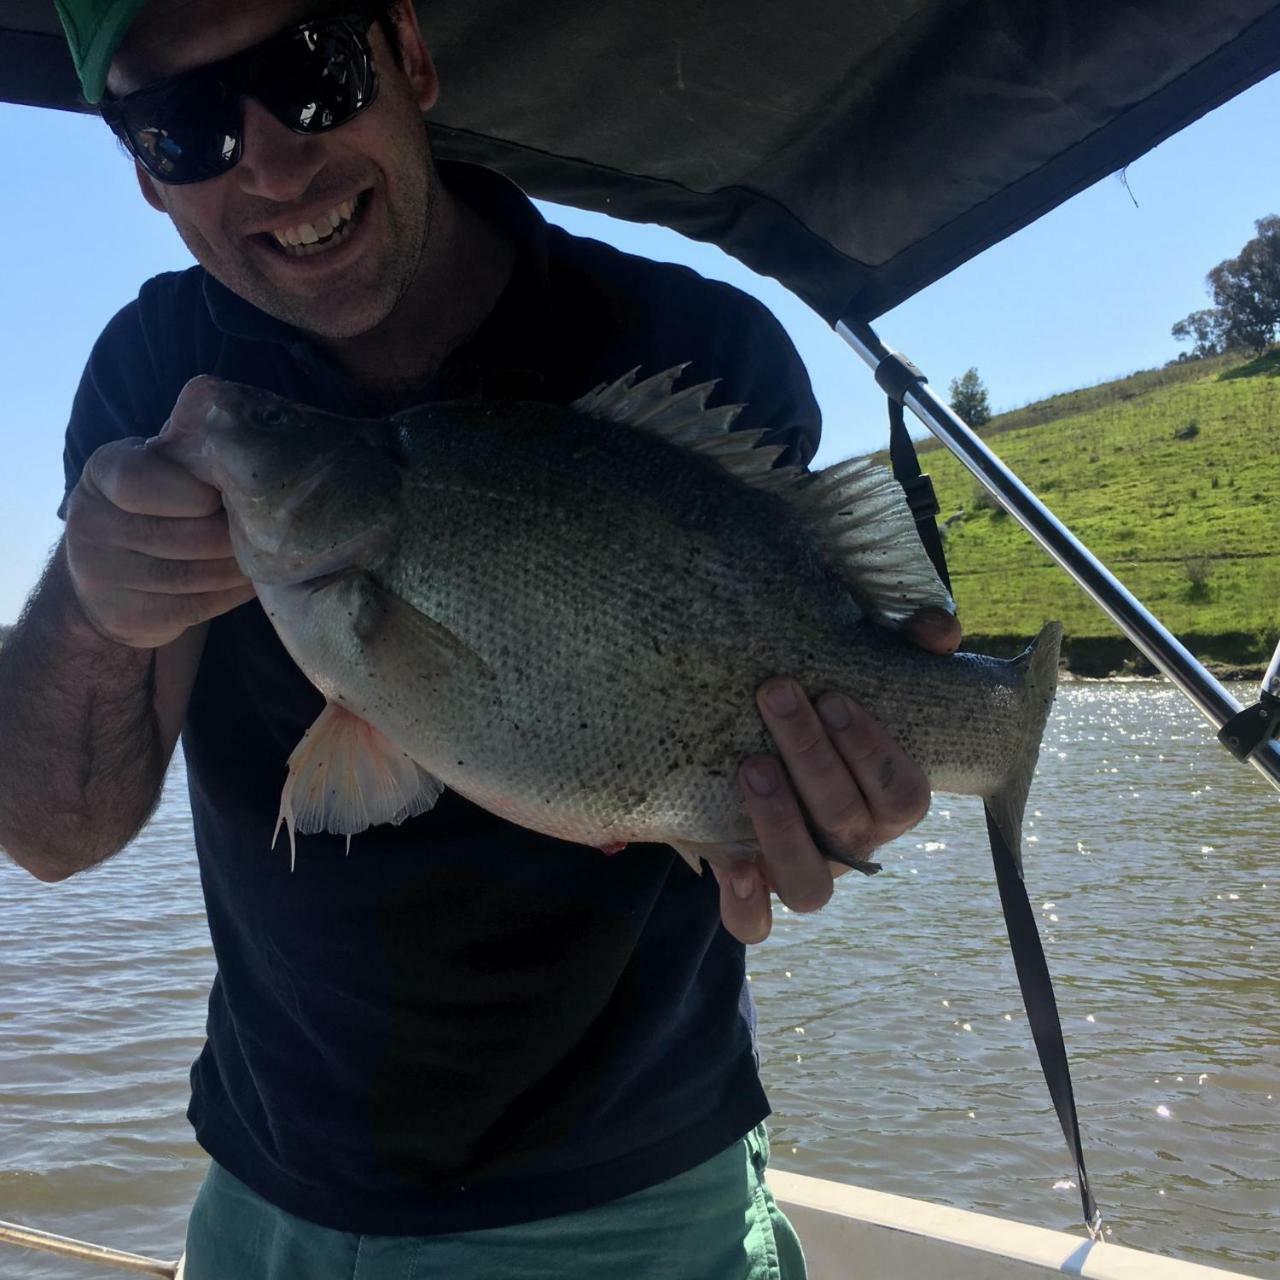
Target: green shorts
column 719, row 1221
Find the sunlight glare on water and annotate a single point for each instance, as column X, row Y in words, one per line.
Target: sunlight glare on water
column 1153, row 863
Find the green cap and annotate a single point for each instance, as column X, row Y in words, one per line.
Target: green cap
column 94, row 30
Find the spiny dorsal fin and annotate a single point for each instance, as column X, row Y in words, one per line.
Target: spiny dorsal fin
column 681, row 417
column 856, row 508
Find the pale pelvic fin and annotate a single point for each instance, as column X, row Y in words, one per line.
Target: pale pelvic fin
column 857, row 509
column 345, row 776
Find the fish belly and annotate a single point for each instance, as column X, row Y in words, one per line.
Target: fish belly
column 623, row 734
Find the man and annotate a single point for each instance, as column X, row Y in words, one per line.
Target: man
column 466, row 1049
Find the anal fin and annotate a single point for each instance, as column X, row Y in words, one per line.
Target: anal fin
column 730, row 851
column 346, row 776
column 722, row 853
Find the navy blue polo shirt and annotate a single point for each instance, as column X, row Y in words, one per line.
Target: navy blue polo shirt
column 462, row 1024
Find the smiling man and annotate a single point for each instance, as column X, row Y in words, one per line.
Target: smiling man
column 465, row 1049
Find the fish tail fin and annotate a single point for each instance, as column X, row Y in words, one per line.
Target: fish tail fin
column 1038, row 668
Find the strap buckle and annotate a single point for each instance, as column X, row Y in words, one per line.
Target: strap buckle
column 1247, row 730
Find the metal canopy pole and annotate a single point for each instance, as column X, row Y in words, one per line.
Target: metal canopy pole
column 1128, row 613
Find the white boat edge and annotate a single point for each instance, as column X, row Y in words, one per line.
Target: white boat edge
column 850, row 1233
column 854, row 1233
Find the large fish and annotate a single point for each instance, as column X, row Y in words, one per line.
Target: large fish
column 564, row 613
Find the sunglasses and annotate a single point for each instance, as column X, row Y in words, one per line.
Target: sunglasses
column 190, row 128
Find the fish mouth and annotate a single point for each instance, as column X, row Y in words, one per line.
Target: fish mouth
column 185, row 438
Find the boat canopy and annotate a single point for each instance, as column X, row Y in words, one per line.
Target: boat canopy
column 856, row 152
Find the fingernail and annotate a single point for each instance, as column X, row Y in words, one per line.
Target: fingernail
column 933, row 621
column 781, row 698
column 935, row 616
column 760, row 777
column 834, row 711
column 742, row 879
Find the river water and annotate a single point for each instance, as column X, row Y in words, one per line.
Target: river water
column 893, row 1040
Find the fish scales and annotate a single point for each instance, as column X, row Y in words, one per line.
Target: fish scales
column 566, row 618
column 642, row 592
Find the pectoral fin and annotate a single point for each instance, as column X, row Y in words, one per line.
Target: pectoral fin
column 345, row 776
column 394, row 636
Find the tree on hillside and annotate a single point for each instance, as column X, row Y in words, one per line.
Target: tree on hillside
column 1246, row 296
column 969, row 398
column 1202, row 330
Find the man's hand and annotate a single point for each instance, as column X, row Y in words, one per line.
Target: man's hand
column 842, row 778
column 148, row 548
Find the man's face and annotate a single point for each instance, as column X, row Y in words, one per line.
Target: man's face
column 380, row 161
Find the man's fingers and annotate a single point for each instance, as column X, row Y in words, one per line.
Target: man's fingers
column 144, row 620
column 129, row 570
column 934, row 629
column 896, row 790
column 837, row 809
column 188, row 610
column 148, row 547
column 745, row 908
column 213, row 604
column 792, row 863
column 92, row 518
column 139, row 480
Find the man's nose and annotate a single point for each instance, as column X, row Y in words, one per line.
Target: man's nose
column 275, row 162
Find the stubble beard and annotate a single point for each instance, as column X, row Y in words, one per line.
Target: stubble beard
column 336, row 315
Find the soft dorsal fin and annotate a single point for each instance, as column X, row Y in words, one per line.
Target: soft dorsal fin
column 861, row 516
column 856, row 508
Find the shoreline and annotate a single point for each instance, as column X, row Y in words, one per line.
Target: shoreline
column 1225, row 655
column 1222, row 671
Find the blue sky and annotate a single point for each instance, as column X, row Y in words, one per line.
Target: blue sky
column 1086, row 294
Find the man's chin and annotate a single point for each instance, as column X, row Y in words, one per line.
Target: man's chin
column 331, row 319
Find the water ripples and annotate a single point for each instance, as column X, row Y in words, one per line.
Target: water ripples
column 1154, row 871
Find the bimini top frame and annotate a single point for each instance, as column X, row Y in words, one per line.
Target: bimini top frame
column 1130, row 615
column 856, row 152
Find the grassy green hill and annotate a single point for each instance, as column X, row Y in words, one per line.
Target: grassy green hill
column 1171, row 477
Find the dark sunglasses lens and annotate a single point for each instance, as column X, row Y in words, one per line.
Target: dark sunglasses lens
column 314, row 79
column 187, row 134
column 318, row 79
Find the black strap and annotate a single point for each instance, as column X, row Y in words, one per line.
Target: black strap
column 1247, row 730
column 918, row 488
column 897, row 377
column 1042, row 1008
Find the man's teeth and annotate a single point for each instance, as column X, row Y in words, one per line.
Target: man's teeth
column 298, row 239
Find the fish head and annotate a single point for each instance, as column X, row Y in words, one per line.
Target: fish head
column 307, row 493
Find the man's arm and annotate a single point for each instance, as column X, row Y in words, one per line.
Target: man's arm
column 94, row 680
column 81, row 727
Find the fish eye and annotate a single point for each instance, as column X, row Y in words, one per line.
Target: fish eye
column 273, row 417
